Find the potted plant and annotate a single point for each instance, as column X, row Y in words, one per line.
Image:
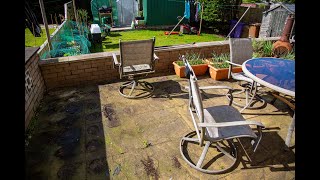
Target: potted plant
column 198, row 65
column 219, row 68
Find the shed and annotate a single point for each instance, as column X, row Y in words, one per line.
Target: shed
column 162, row 12
column 274, row 19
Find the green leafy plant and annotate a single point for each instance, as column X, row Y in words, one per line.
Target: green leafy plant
column 290, row 55
column 193, row 59
column 262, row 48
column 219, row 60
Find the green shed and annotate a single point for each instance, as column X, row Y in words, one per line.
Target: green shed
column 162, row 12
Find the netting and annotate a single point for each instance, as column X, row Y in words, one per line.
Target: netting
column 70, row 40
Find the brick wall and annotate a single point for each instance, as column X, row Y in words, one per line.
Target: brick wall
column 34, row 84
column 98, row 67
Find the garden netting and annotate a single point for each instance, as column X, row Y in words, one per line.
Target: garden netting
column 70, row 40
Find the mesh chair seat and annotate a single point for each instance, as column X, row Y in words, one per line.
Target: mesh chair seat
column 225, row 113
column 137, row 68
column 137, row 58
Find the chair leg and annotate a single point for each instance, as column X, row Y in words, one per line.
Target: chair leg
column 250, row 95
column 215, row 157
column 130, row 89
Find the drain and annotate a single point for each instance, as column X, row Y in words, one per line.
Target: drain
column 93, row 145
column 93, row 130
column 93, row 116
column 97, row 166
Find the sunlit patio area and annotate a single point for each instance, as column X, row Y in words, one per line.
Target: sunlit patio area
column 91, row 132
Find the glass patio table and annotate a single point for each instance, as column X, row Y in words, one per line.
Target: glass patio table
column 274, row 73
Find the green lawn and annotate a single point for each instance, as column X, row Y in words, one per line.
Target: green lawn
column 31, row 41
column 111, row 43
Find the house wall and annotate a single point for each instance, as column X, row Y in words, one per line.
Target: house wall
column 98, row 67
column 34, row 84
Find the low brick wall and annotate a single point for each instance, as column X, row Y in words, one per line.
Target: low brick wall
column 34, row 83
column 98, row 67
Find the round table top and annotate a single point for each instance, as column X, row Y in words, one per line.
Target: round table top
column 275, row 73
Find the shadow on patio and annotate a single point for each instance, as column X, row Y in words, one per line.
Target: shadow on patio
column 92, row 132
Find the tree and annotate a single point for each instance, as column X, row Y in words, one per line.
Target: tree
column 218, row 13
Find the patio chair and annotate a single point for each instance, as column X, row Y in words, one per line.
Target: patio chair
column 241, row 50
column 137, row 60
column 216, row 128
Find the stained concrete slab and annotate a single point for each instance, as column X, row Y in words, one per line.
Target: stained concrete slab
column 74, row 138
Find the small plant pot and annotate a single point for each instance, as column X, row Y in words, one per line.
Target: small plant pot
column 199, row 69
column 221, row 74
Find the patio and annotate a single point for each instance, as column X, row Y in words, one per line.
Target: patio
column 91, row 132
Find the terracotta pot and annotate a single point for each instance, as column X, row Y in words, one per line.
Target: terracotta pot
column 199, row 69
column 221, row 74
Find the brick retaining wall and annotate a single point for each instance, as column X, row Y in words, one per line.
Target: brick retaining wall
column 34, row 84
column 98, row 67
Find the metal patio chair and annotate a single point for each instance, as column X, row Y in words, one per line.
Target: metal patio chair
column 216, row 128
column 241, row 50
column 137, row 60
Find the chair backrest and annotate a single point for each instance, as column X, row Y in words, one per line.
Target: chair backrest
column 136, row 52
column 240, row 49
column 194, row 92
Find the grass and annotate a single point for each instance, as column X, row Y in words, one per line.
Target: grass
column 31, row 41
column 111, row 43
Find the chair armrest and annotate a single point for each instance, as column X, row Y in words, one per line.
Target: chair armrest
column 234, row 63
column 155, row 57
column 233, row 123
column 229, row 93
column 115, row 60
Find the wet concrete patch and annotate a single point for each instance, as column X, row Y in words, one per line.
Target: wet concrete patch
column 110, row 114
column 93, row 130
column 93, row 117
column 93, row 105
column 66, row 151
column 150, row 168
column 67, row 171
column 176, row 162
column 69, row 136
column 97, row 166
column 94, row 145
column 73, row 108
column 68, row 121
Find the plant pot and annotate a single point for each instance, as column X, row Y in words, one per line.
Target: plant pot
column 221, row 74
column 199, row 69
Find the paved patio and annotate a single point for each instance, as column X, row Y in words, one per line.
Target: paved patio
column 92, row 132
